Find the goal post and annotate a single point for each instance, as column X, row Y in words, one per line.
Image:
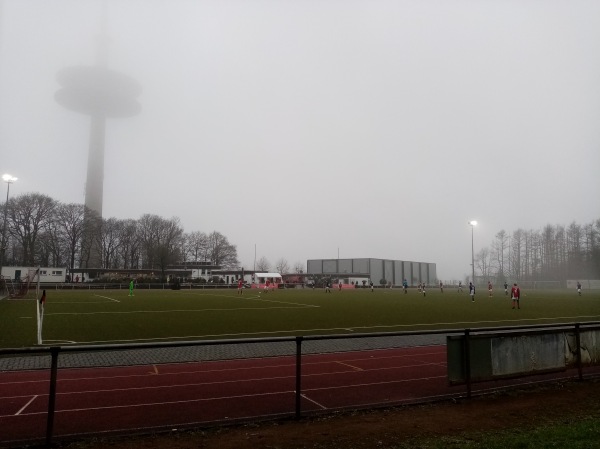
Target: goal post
column 546, row 285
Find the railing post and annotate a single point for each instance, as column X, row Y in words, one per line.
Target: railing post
column 52, row 395
column 467, row 347
column 298, row 375
column 578, row 343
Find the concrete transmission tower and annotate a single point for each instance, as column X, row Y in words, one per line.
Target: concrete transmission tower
column 100, row 93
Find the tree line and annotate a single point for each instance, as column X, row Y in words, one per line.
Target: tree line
column 41, row 231
column 281, row 266
column 554, row 253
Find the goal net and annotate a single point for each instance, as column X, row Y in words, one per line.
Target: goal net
column 27, row 287
column 541, row 285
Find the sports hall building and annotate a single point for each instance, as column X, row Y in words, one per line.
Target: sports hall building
column 376, row 270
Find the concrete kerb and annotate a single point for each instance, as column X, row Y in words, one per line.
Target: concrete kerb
column 215, row 352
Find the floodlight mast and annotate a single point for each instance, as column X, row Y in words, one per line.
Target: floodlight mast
column 472, row 223
column 8, row 179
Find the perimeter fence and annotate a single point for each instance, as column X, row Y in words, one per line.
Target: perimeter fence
column 75, row 391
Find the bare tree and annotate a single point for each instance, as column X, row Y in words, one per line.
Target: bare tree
column 110, row 240
column 196, row 246
column 299, row 267
column 221, row 252
column 552, row 253
column 499, row 248
column 483, row 262
column 161, row 241
column 561, row 252
column 68, row 221
column 29, row 214
column 129, row 244
column 549, row 250
column 43, row 231
column 575, row 248
column 282, row 266
column 263, row 264
column 515, row 254
column 51, row 249
column 595, row 249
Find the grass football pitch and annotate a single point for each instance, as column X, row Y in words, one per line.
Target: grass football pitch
column 111, row 316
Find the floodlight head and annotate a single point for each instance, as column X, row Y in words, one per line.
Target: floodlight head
column 8, row 178
column 473, row 223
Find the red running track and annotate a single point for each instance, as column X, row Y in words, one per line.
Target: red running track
column 117, row 399
column 147, row 397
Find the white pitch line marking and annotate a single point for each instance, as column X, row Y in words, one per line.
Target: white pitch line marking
column 26, row 405
column 175, row 311
column 257, row 298
column 106, row 297
column 292, row 331
column 79, row 302
column 283, row 302
column 459, row 329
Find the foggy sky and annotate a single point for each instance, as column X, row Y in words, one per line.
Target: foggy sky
column 308, row 129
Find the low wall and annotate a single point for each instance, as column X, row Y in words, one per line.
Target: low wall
column 496, row 356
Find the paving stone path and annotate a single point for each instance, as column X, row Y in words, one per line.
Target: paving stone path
column 213, row 352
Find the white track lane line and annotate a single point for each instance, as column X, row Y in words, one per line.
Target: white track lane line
column 26, row 405
column 314, row 402
column 272, row 393
column 154, row 404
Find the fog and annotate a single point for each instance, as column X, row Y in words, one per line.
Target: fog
column 312, row 129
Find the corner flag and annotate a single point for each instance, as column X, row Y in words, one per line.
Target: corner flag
column 40, row 317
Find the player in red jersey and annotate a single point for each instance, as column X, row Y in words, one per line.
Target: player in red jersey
column 515, row 293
